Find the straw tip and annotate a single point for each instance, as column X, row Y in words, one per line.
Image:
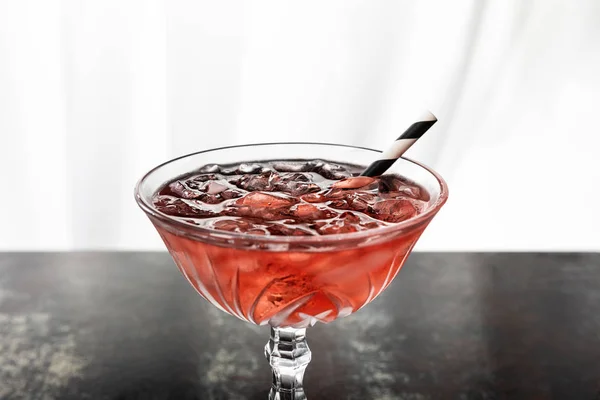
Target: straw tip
column 428, row 116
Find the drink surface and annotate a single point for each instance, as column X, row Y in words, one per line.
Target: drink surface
column 290, row 198
column 296, row 286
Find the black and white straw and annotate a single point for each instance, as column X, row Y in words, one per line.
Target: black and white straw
column 403, row 143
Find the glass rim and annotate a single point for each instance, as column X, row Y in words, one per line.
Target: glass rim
column 202, row 232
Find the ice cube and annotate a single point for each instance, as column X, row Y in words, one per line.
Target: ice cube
column 389, row 183
column 313, row 166
column 305, row 211
column 310, row 212
column 229, row 225
column 336, row 227
column 277, row 214
column 265, row 200
column 333, row 171
column 249, row 169
column 294, row 177
column 229, row 171
column 240, row 225
column 360, row 201
column 334, row 194
column 339, row 204
column 231, row 194
column 349, row 217
column 394, row 210
column 210, row 198
column 371, row 224
column 283, row 230
column 257, row 213
column 416, row 192
column 180, row 189
column 210, row 168
column 261, row 182
column 215, row 188
column 412, row 192
column 288, row 166
column 182, row 208
column 397, row 185
column 197, row 181
column 300, row 188
column 314, row 198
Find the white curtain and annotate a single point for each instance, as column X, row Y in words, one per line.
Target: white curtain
column 94, row 93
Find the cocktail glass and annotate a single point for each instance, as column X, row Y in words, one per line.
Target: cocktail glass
column 288, row 282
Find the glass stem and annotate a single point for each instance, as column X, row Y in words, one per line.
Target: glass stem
column 289, row 355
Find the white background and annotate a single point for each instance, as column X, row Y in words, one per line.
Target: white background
column 94, row 93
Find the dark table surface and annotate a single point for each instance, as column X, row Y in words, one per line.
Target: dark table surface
column 452, row 326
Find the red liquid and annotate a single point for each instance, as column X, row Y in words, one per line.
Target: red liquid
column 290, row 288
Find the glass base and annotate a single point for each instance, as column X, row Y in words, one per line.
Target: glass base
column 289, row 355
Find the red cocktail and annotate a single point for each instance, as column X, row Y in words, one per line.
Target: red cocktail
column 289, row 242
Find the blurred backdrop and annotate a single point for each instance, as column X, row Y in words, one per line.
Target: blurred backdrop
column 95, row 93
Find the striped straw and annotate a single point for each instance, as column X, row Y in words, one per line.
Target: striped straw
column 403, row 143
